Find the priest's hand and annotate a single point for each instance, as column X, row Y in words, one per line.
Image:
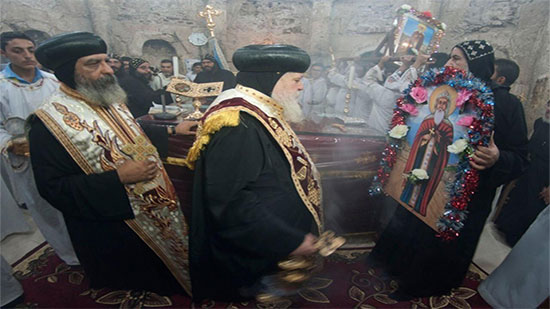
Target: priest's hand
column 137, row 171
column 485, row 157
column 307, row 247
column 184, row 127
column 19, row 146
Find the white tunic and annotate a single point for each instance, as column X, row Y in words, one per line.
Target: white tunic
column 19, row 99
column 314, row 94
column 359, row 104
column 384, row 97
column 522, row 280
column 383, row 101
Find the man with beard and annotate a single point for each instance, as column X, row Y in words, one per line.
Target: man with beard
column 116, row 65
column 23, row 87
column 211, row 72
column 125, row 64
column 140, row 94
column 256, row 196
column 94, row 163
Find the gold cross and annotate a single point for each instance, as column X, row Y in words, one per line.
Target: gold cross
column 432, row 131
column 140, row 150
column 208, row 12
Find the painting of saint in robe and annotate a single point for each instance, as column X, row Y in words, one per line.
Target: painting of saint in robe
column 429, row 151
column 417, row 38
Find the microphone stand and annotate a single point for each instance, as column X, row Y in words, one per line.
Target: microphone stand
column 164, row 115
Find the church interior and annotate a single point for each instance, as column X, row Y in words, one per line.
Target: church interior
column 348, row 152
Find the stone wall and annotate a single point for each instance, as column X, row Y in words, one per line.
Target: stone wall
column 518, row 29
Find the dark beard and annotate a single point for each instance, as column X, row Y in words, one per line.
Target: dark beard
column 103, row 92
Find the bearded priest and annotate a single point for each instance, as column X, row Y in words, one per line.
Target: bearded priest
column 256, row 196
column 95, row 164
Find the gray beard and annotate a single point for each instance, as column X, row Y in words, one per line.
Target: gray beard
column 439, row 115
column 292, row 112
column 102, row 92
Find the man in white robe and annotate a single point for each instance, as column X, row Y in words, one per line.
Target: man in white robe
column 359, row 103
column 383, row 92
column 23, row 87
column 314, row 93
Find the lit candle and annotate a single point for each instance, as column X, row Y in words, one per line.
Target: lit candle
column 351, row 76
column 176, row 65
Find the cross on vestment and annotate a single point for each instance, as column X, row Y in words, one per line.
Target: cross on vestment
column 140, row 150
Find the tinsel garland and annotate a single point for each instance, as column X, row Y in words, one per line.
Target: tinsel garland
column 463, row 188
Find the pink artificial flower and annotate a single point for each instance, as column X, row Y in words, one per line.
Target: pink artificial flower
column 463, row 96
column 465, row 121
column 410, row 108
column 419, row 94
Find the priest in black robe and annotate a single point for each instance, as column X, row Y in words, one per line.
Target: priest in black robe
column 256, row 196
column 103, row 224
column 408, row 250
column 211, row 72
column 136, row 85
column 529, row 195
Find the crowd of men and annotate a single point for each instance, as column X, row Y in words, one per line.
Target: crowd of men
column 256, row 196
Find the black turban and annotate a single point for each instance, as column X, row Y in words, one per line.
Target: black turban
column 209, row 57
column 114, row 56
column 481, row 58
column 136, row 62
column 61, row 52
column 261, row 66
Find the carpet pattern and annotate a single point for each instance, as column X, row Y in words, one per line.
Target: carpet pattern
column 346, row 281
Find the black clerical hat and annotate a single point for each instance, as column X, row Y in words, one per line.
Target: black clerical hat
column 481, row 58
column 68, row 47
column 271, row 58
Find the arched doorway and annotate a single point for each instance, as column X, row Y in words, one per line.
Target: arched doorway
column 156, row 50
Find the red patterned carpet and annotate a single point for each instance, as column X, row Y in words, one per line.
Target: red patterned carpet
column 345, row 282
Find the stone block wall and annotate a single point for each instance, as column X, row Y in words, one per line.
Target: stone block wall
column 518, row 29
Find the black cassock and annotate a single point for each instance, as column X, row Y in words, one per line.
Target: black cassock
column 246, row 213
column 425, row 265
column 141, row 95
column 219, row 75
column 94, row 207
column 524, row 204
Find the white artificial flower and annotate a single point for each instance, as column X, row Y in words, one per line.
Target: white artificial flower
column 443, row 26
column 458, row 146
column 406, row 7
column 420, row 174
column 399, row 131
